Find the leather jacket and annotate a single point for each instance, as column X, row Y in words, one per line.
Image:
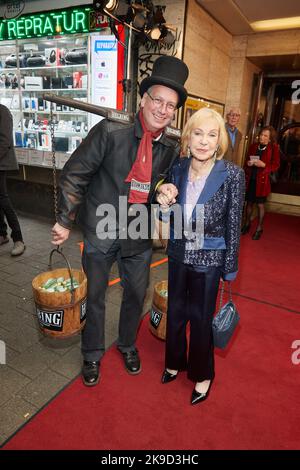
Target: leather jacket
column 95, row 175
column 8, row 160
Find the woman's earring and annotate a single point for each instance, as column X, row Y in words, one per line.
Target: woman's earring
column 188, row 152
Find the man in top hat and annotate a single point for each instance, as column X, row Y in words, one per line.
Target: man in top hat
column 118, row 162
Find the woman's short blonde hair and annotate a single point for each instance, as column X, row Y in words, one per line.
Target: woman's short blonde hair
column 196, row 120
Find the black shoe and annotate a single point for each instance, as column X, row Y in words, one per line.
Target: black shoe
column 90, row 373
column 257, row 234
column 197, row 397
column 167, row 377
column 245, row 229
column 132, row 361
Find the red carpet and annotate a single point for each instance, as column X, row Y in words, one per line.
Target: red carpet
column 254, row 401
column 270, row 268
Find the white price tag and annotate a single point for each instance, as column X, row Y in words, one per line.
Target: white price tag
column 22, row 156
column 62, row 158
column 35, row 157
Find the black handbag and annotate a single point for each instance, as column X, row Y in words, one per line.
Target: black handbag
column 225, row 321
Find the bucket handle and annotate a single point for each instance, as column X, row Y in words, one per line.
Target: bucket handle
column 57, row 250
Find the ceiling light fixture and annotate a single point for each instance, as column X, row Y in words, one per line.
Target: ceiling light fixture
column 116, row 7
column 141, row 16
column 277, row 24
column 139, row 20
column 167, row 37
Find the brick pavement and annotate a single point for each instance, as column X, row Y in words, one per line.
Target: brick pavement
column 37, row 367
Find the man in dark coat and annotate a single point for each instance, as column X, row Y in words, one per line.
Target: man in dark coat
column 116, row 169
column 8, row 162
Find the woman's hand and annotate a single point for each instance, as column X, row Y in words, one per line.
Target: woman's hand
column 60, row 234
column 259, row 164
column 163, row 201
column 166, row 194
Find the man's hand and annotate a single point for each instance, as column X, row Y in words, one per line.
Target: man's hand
column 167, row 194
column 60, row 234
column 250, row 162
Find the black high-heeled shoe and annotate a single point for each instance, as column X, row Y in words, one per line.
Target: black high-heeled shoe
column 198, row 397
column 245, row 229
column 257, row 234
column 168, row 377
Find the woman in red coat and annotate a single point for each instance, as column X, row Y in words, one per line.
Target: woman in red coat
column 263, row 158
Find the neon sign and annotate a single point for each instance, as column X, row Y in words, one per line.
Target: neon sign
column 70, row 21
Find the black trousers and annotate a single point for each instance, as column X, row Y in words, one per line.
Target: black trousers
column 192, row 295
column 7, row 210
column 134, row 273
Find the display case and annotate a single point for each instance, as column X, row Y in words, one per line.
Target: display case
column 32, row 67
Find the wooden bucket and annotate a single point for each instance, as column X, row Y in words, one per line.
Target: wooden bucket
column 60, row 314
column 158, row 312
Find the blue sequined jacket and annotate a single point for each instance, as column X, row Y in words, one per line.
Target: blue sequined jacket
column 222, row 198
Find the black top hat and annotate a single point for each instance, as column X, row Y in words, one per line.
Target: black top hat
column 170, row 72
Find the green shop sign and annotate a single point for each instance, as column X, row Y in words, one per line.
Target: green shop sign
column 68, row 21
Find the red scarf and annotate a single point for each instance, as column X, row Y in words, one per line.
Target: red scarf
column 141, row 171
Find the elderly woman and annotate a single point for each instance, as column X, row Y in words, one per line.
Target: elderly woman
column 210, row 196
column 262, row 160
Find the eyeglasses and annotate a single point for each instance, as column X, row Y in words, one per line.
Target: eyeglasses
column 234, row 115
column 158, row 102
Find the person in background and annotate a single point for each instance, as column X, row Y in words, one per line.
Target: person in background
column 8, row 162
column 129, row 160
column 234, row 135
column 263, row 158
column 291, row 142
column 198, row 259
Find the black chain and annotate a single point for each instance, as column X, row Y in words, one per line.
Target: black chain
column 53, row 160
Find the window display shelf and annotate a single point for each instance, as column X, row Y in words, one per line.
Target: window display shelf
column 45, row 90
column 7, row 90
column 28, row 69
column 15, row 69
column 42, row 159
column 72, row 113
column 58, row 133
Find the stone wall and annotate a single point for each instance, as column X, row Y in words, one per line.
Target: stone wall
column 207, row 52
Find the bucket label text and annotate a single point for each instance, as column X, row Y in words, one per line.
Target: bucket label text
column 83, row 311
column 51, row 320
column 155, row 318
